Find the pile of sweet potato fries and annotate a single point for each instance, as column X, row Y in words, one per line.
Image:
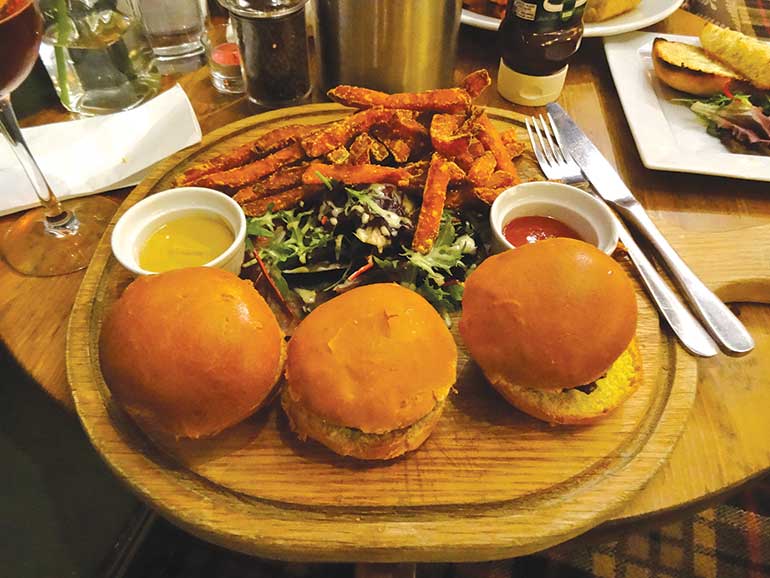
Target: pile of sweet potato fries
column 434, row 144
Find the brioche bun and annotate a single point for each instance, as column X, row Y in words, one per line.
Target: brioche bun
column 575, row 406
column 552, row 315
column 688, row 68
column 191, row 352
column 367, row 372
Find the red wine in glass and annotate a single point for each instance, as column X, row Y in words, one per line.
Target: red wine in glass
column 57, row 238
column 20, row 32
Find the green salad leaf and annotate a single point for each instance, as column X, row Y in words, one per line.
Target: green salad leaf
column 325, row 251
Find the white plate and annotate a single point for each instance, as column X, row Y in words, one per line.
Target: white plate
column 668, row 135
column 647, row 13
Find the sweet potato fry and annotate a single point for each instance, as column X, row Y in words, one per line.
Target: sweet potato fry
column 461, row 197
column 491, row 140
column 482, row 168
column 341, row 132
column 476, row 148
column 406, row 125
column 515, row 149
column 466, row 159
column 418, row 172
column 512, row 144
column 445, row 136
column 249, row 152
column 338, row 156
column 245, row 195
column 487, row 194
column 509, row 136
column 476, row 82
column 379, row 151
column 354, row 174
column 285, row 200
column 280, row 180
column 398, row 148
column 360, row 149
column 502, row 179
column 433, row 199
column 252, row 172
column 439, row 100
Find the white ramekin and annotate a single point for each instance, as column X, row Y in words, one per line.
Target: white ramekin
column 588, row 216
column 137, row 224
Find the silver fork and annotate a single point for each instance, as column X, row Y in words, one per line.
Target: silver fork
column 558, row 165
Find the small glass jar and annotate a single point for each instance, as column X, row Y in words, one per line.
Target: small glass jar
column 223, row 57
column 272, row 38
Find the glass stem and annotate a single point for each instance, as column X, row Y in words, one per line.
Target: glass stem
column 52, row 208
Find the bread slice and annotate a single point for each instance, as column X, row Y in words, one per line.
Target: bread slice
column 601, row 10
column 573, row 406
column 688, row 68
column 749, row 56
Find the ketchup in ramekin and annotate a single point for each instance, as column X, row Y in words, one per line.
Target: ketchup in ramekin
column 531, row 229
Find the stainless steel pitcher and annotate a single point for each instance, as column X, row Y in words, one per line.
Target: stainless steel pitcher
column 388, row 45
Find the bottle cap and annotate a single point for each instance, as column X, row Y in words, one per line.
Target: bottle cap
column 529, row 90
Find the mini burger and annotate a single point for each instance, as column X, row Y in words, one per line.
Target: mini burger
column 368, row 372
column 191, row 352
column 552, row 327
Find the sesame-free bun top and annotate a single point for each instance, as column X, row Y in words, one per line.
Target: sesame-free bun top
column 554, row 314
column 377, row 358
column 191, row 352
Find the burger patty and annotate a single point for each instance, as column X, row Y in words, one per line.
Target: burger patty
column 355, row 442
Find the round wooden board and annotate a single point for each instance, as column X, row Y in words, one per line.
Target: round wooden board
column 489, row 483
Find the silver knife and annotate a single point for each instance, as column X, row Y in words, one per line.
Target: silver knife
column 725, row 327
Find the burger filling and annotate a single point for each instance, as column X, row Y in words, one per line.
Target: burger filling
column 309, row 424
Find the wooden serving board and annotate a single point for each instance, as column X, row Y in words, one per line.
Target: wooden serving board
column 489, row 483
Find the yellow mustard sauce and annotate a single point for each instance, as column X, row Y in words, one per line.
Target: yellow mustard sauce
column 187, row 241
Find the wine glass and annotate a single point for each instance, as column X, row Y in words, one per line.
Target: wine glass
column 56, row 238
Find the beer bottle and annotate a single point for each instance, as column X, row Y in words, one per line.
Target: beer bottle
column 536, row 40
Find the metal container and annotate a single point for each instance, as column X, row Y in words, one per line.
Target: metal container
column 272, row 39
column 388, row 45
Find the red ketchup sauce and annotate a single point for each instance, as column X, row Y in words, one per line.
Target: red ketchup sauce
column 523, row 230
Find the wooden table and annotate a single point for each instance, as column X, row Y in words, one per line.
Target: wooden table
column 725, row 440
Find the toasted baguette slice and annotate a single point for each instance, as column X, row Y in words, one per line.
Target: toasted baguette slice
column 748, row 56
column 688, row 68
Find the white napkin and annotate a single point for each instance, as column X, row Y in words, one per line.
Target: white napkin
column 101, row 153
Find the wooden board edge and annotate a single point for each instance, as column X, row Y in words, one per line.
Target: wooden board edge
column 79, row 361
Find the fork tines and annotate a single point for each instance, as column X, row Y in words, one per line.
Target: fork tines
column 548, row 149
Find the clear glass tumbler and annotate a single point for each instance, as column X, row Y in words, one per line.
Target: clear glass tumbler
column 97, row 56
column 174, row 28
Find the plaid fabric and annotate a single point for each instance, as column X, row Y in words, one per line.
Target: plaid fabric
column 731, row 540
column 751, row 17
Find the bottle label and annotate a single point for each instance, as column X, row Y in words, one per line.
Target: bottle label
column 549, row 15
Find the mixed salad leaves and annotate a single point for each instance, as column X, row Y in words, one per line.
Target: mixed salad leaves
column 740, row 121
column 363, row 236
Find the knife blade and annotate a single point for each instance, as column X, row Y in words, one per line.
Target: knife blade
column 717, row 318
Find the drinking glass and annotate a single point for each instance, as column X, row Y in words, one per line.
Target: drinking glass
column 57, row 238
column 174, row 28
column 97, row 56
